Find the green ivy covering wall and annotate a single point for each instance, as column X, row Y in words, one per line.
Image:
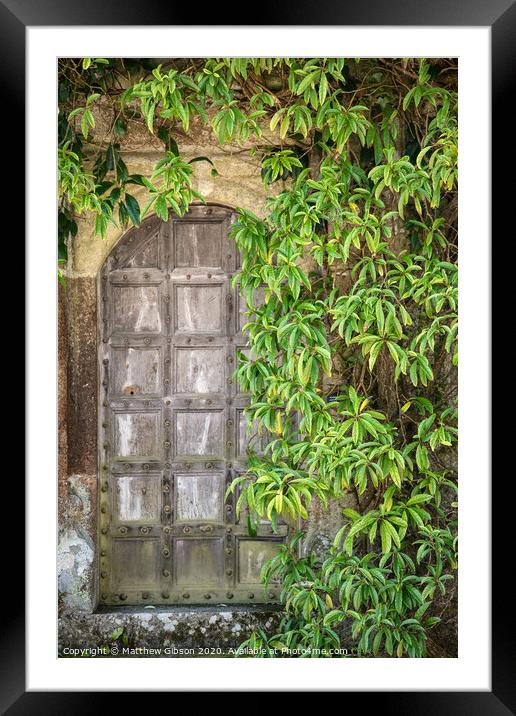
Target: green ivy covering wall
column 352, row 372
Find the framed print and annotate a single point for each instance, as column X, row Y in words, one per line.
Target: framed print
column 266, row 443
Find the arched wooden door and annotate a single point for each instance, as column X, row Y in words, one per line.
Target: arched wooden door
column 172, row 434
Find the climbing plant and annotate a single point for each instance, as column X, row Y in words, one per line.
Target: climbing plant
column 351, row 288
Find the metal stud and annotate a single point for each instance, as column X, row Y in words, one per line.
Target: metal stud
column 165, row 595
column 251, row 595
column 166, row 573
column 209, row 465
column 167, row 509
column 229, row 572
column 186, row 595
column 166, row 552
column 123, row 597
column 207, row 596
column 229, row 595
column 145, row 595
column 103, row 575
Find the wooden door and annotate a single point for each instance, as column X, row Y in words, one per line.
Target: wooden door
column 172, row 432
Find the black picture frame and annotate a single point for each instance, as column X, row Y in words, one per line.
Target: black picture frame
column 500, row 16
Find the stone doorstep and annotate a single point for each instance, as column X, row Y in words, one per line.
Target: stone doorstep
column 166, row 628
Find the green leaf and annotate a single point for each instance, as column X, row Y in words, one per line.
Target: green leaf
column 161, row 208
column 133, row 208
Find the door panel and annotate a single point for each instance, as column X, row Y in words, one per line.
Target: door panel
column 172, row 429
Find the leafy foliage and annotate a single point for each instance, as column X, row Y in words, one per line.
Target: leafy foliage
column 350, row 282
